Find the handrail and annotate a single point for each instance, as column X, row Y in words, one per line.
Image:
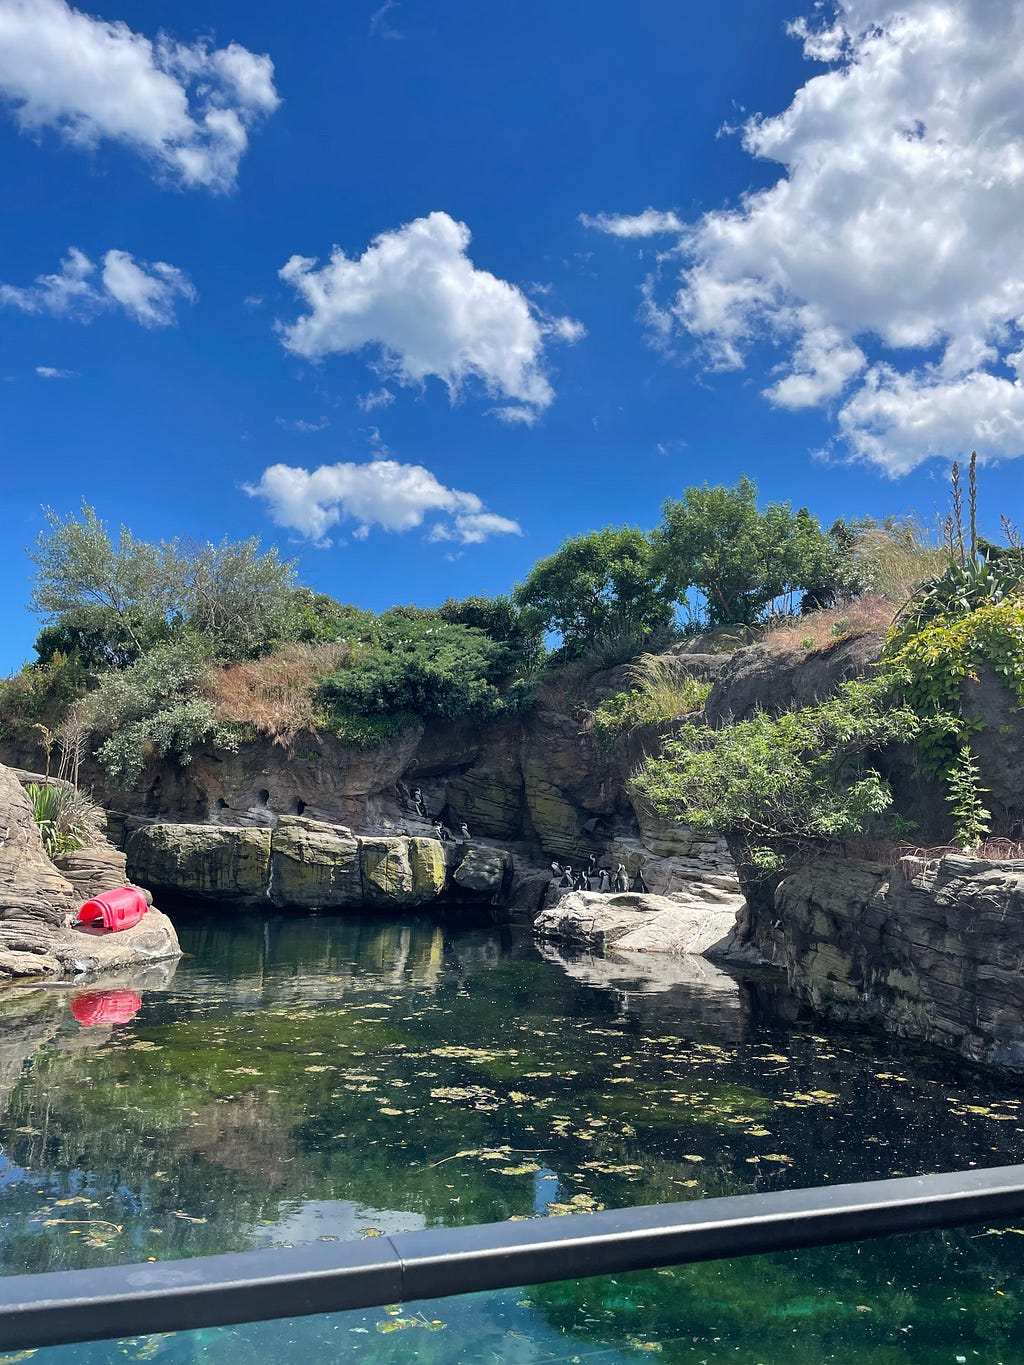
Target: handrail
column 67, row 1306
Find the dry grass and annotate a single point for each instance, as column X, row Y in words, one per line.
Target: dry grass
column 895, row 557
column 273, row 696
column 822, row 630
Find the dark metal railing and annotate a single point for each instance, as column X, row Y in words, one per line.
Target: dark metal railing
column 84, row 1305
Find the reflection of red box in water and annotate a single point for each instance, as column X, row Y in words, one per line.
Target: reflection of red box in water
column 106, row 1007
column 119, row 909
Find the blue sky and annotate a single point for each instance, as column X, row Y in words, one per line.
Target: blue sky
column 506, row 350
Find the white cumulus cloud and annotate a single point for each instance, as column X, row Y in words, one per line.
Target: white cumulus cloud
column 148, row 293
column 416, row 295
column 887, row 261
column 649, row 223
column 187, row 108
column 51, row 372
column 383, row 493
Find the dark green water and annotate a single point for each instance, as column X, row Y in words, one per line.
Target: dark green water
column 336, row 1078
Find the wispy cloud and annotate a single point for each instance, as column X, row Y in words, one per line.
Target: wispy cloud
column 298, row 424
column 50, row 372
column 649, row 223
column 80, row 290
column 380, row 24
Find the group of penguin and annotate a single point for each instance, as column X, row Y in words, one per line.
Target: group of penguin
column 593, row 878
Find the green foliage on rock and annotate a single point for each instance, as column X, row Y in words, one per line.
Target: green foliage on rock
column 155, row 708
column 66, row 820
column 782, row 783
column 598, row 586
column 659, row 692
column 410, row 666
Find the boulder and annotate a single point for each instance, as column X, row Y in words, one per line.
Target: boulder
column 400, row 873
column 632, row 922
column 31, row 888
column 201, row 862
column 97, row 952
column 38, row 934
column 314, row 865
column 93, row 870
column 483, row 871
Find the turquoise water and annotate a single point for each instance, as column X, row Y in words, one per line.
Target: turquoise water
column 296, row 1080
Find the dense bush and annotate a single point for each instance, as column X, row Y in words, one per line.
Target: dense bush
column 743, row 562
column 155, row 708
column 406, row 666
column 782, row 783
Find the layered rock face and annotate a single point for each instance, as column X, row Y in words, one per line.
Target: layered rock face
column 541, row 785
column 38, row 903
column 306, row 864
column 932, row 949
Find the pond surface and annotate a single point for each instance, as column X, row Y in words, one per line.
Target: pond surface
column 296, row 1080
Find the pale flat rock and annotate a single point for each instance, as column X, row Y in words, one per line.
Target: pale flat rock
column 631, row 922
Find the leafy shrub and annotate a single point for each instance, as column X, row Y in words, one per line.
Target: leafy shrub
column 659, row 692
column 779, row 783
column 409, row 666
column 158, row 707
column 930, row 665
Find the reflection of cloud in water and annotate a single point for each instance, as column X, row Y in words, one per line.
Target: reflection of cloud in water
column 341, row 1218
column 688, row 988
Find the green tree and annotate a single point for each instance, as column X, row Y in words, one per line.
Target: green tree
column 84, row 581
column 742, row 560
column 596, row 586
column 235, row 594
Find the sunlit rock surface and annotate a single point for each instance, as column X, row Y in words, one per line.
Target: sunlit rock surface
column 632, row 922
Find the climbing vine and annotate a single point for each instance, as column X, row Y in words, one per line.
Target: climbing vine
column 929, row 666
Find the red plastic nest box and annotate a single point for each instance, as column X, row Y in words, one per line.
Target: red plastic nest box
column 106, row 1007
column 120, row 909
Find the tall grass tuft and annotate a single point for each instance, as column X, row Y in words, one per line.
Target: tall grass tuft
column 67, row 820
column 659, row 691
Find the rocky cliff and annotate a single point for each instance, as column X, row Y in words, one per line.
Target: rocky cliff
column 930, row 949
column 38, row 903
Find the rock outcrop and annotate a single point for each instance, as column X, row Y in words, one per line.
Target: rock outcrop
column 932, row 949
column 762, row 678
column 633, row 922
column 305, row 864
column 38, row 903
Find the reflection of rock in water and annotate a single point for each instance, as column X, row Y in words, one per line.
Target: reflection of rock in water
column 28, row 1020
column 682, row 991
